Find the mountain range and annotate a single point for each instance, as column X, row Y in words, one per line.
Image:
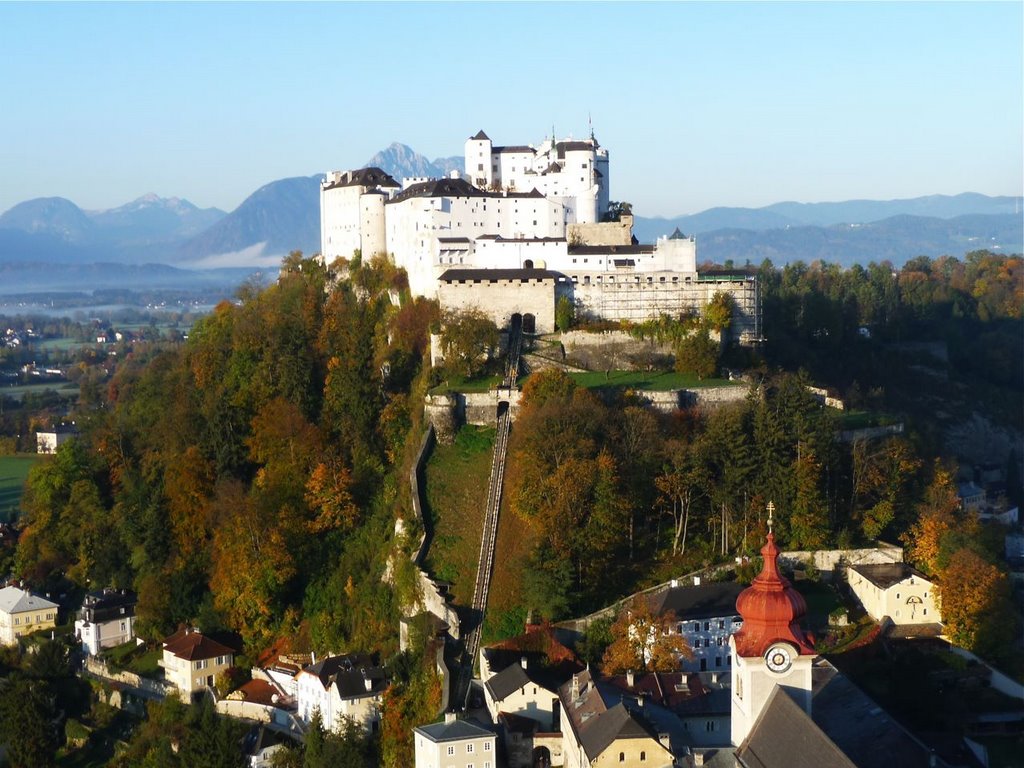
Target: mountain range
column 283, row 215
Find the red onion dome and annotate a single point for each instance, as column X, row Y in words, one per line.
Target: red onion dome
column 771, row 610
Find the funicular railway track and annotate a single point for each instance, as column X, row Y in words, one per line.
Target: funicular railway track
column 488, row 539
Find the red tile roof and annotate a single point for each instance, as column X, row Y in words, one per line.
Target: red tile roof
column 193, row 645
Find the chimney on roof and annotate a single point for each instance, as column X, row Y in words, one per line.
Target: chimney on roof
column 367, row 682
column 630, row 678
column 696, row 581
column 674, row 583
column 522, row 662
column 698, row 758
column 449, row 718
column 575, row 688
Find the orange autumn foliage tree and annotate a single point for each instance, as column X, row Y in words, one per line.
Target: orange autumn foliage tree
column 974, row 599
column 937, row 517
column 642, row 641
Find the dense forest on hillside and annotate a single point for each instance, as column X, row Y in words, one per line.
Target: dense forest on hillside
column 250, row 478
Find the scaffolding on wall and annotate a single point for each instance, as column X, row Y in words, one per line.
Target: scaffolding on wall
column 636, row 297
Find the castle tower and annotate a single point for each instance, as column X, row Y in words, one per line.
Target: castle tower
column 478, row 160
column 771, row 648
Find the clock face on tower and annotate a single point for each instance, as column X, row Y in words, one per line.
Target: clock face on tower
column 778, row 658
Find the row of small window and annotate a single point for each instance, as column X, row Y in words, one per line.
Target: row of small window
column 28, row 619
column 696, row 626
column 707, row 642
column 611, row 278
column 622, row 757
column 469, row 748
column 204, row 663
column 709, row 726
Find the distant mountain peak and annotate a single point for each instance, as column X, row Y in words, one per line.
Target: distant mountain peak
column 403, row 162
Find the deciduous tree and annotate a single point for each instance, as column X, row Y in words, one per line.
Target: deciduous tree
column 642, row 641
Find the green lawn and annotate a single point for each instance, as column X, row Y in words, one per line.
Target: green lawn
column 64, row 344
column 456, row 489
column 651, row 380
column 863, row 419
column 13, row 471
column 821, row 599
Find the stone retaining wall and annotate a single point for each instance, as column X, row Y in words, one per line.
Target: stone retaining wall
column 432, row 599
column 826, row 560
column 615, row 350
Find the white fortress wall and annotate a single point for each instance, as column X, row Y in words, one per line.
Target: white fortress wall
column 500, row 296
column 525, row 253
column 373, row 238
column 339, row 222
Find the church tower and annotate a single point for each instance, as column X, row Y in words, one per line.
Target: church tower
column 771, row 648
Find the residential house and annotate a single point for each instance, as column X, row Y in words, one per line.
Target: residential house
column 698, row 704
column 49, row 440
column 594, row 734
column 526, row 710
column 107, row 618
column 261, row 745
column 895, row 590
column 520, row 691
column 704, row 614
column 192, row 661
column 22, row 613
column 972, row 497
column 455, row 744
column 521, row 676
column 341, row 687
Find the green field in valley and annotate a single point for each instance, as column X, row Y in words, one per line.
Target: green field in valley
column 13, row 471
column 62, row 388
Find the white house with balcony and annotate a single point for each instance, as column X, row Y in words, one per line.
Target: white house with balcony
column 106, row 619
column 192, row 662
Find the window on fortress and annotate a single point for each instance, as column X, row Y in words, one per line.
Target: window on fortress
column 480, row 167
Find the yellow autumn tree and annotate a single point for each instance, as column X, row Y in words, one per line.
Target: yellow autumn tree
column 975, row 605
column 642, row 641
column 936, row 517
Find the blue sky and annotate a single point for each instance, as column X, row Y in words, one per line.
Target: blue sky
column 700, row 105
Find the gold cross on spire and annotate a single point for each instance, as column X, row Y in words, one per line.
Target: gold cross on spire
column 771, row 509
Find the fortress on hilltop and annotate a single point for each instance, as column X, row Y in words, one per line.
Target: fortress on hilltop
column 521, row 227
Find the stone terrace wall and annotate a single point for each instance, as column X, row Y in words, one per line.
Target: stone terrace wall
column 615, row 350
column 826, row 560
column 431, row 596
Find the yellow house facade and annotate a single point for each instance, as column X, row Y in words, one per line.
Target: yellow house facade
column 22, row 613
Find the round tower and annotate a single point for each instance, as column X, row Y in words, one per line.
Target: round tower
column 771, row 648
